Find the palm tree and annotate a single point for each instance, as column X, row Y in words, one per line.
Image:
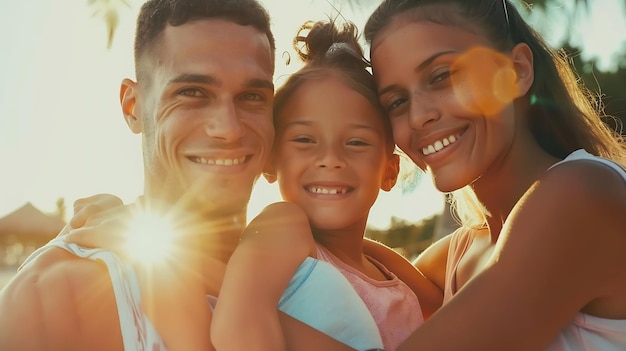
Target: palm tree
column 108, row 10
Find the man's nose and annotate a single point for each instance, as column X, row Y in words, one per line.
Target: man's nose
column 224, row 123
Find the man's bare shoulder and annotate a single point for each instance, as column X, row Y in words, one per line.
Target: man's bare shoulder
column 59, row 301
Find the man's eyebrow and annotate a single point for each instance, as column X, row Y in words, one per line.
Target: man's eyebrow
column 260, row 83
column 419, row 68
column 195, row 78
column 211, row 80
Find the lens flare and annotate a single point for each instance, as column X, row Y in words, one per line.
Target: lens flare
column 484, row 81
column 150, row 238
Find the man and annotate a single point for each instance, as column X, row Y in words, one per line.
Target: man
column 203, row 103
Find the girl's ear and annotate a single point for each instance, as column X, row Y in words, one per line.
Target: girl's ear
column 269, row 171
column 390, row 177
column 128, row 101
column 522, row 57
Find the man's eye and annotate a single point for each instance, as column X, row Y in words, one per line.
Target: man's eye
column 254, row 97
column 192, row 92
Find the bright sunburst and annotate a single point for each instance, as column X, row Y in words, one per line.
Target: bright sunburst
column 150, row 238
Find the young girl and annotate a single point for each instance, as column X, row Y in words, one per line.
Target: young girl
column 477, row 99
column 333, row 152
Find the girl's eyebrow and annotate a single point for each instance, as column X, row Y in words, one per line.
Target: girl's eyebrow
column 419, row 68
column 308, row 122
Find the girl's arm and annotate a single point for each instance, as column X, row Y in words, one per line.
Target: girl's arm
column 561, row 248
column 272, row 247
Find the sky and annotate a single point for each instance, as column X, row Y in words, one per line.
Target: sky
column 62, row 134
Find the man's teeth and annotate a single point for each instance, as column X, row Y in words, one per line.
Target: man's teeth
column 439, row 145
column 219, row 161
column 327, row 191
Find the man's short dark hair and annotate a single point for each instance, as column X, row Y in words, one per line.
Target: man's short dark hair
column 155, row 15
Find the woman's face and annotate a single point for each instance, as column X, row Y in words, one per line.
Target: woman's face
column 448, row 97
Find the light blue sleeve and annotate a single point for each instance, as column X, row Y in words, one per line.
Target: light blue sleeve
column 321, row 297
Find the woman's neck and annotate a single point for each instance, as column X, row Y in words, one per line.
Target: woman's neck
column 500, row 188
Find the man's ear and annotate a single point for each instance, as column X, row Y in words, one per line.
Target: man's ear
column 391, row 173
column 522, row 57
column 269, row 171
column 128, row 101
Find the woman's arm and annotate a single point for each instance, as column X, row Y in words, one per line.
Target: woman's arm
column 272, row 247
column 430, row 296
column 560, row 250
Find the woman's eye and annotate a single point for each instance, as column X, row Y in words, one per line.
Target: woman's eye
column 192, row 92
column 395, row 104
column 439, row 77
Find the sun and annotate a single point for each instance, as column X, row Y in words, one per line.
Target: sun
column 150, row 238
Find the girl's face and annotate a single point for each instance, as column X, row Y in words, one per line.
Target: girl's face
column 448, row 97
column 330, row 154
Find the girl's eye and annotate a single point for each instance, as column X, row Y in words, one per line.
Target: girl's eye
column 305, row 140
column 192, row 92
column 357, row 142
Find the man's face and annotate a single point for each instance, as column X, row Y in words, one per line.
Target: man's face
column 207, row 114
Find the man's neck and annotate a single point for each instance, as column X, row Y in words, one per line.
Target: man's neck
column 211, row 234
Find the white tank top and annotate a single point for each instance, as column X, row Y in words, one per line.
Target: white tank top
column 138, row 334
column 586, row 332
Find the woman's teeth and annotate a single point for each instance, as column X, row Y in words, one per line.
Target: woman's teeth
column 439, row 145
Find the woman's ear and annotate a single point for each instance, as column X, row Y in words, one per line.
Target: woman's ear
column 128, row 101
column 522, row 57
column 390, row 176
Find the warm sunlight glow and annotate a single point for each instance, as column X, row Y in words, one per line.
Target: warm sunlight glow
column 484, row 81
column 150, row 238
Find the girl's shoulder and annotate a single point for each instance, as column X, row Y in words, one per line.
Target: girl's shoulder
column 281, row 225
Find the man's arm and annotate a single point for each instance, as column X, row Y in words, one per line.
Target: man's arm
column 59, row 302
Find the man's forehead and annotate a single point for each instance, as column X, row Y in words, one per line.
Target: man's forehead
column 217, row 41
column 216, row 31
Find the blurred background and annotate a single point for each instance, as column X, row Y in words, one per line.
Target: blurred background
column 62, row 135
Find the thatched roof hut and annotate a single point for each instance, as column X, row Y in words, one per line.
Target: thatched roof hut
column 28, row 224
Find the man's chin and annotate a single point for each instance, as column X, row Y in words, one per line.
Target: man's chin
column 221, row 203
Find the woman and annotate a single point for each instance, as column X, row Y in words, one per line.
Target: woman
column 478, row 100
